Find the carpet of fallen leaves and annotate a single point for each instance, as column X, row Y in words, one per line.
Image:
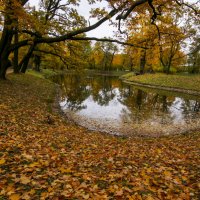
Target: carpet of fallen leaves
column 59, row 160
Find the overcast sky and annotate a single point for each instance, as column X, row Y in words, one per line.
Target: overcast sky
column 105, row 30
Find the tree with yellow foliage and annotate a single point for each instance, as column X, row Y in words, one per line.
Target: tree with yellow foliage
column 22, row 19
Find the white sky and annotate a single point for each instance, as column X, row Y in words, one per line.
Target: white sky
column 105, row 30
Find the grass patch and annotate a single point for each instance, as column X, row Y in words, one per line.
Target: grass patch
column 44, row 73
column 182, row 81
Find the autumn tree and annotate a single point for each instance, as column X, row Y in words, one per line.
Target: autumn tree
column 13, row 10
column 141, row 32
column 163, row 37
column 194, row 56
column 171, row 37
column 10, row 11
column 104, row 53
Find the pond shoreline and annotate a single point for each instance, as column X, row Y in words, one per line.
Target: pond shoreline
column 143, row 130
column 94, row 119
column 172, row 89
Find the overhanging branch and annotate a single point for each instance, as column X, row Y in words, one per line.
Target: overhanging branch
column 52, row 53
column 129, row 10
column 107, row 40
column 182, row 3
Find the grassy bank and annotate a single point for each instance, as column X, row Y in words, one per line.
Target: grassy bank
column 188, row 82
column 106, row 73
column 53, row 159
column 44, row 73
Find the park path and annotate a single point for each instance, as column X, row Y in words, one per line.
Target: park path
column 9, row 71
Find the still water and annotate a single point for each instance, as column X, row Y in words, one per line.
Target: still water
column 107, row 104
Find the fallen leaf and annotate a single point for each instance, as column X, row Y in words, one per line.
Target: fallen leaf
column 119, row 193
column 2, row 161
column 24, row 179
column 14, row 197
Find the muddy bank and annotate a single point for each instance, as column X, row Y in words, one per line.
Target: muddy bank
column 131, row 129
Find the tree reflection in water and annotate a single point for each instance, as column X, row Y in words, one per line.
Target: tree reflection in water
column 108, row 97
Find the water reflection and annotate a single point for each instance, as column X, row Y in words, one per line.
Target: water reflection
column 107, row 98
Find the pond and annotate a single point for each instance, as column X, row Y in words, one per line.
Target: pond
column 107, row 104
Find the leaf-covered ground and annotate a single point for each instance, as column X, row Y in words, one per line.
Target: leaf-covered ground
column 57, row 160
column 182, row 81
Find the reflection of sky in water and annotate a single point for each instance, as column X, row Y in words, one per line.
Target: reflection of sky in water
column 176, row 110
column 110, row 111
column 115, row 110
column 181, row 111
column 92, row 109
column 132, row 105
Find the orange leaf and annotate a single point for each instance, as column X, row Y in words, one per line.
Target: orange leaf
column 14, row 197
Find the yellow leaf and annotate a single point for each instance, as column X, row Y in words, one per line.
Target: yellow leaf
column 50, row 189
column 65, row 170
column 149, row 198
column 3, row 106
column 159, row 151
column 2, row 161
column 86, row 196
column 184, row 178
column 149, row 170
column 25, row 179
column 14, row 197
column 34, row 164
column 167, row 174
column 32, row 191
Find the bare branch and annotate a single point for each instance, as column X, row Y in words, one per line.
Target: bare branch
column 119, row 23
column 107, row 40
column 155, row 14
column 133, row 6
column 182, row 3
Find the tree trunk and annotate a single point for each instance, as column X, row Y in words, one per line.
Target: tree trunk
column 10, row 21
column 5, row 64
column 131, row 64
column 24, row 63
column 6, row 39
column 142, row 61
column 111, row 61
column 193, row 71
column 16, row 52
column 37, row 61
